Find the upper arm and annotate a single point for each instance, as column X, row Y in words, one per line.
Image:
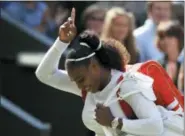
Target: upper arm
column 59, row 79
column 149, row 120
column 144, row 98
column 142, row 106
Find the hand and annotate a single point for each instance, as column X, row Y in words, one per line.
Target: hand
column 68, row 30
column 103, row 115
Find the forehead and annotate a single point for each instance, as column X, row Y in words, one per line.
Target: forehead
column 121, row 19
column 162, row 4
column 76, row 72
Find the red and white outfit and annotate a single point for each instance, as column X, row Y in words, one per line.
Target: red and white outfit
column 152, row 120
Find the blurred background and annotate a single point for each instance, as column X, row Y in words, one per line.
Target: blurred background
column 149, row 30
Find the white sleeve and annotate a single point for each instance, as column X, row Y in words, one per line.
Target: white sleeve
column 48, row 72
column 149, row 122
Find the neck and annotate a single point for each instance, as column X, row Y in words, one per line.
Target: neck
column 172, row 58
column 105, row 79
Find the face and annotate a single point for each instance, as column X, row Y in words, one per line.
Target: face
column 161, row 44
column 171, row 44
column 86, row 78
column 161, row 11
column 120, row 27
column 95, row 22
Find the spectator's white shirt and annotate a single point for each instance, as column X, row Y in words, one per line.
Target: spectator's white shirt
column 181, row 56
column 145, row 41
column 151, row 117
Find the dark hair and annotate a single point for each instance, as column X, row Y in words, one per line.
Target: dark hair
column 111, row 55
column 91, row 10
column 172, row 29
column 151, row 3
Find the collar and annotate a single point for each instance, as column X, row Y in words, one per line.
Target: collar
column 149, row 23
column 114, row 77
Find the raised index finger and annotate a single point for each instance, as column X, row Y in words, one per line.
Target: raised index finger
column 73, row 13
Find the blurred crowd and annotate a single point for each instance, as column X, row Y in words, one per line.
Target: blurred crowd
column 149, row 30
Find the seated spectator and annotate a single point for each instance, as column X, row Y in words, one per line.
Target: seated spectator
column 93, row 17
column 32, row 13
column 171, row 35
column 181, row 56
column 145, row 35
column 119, row 25
column 180, row 83
column 59, row 14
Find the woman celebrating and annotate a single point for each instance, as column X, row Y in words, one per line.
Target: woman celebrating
column 96, row 70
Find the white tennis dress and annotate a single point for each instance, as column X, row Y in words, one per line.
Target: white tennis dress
column 153, row 120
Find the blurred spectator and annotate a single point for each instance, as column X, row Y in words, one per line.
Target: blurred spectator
column 4, row 3
column 180, row 83
column 32, row 13
column 93, row 17
column 59, row 14
column 178, row 11
column 119, row 25
column 172, row 36
column 145, row 35
column 137, row 8
column 181, row 56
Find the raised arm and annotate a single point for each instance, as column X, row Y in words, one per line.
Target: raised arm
column 47, row 71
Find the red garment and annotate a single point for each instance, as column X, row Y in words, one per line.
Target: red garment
column 166, row 92
column 164, row 88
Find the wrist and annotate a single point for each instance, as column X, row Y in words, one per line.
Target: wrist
column 117, row 123
column 63, row 41
column 60, row 45
column 120, row 124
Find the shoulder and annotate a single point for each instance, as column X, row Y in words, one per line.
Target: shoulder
column 161, row 61
column 135, row 79
column 181, row 56
column 140, row 32
column 143, row 31
column 137, row 82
